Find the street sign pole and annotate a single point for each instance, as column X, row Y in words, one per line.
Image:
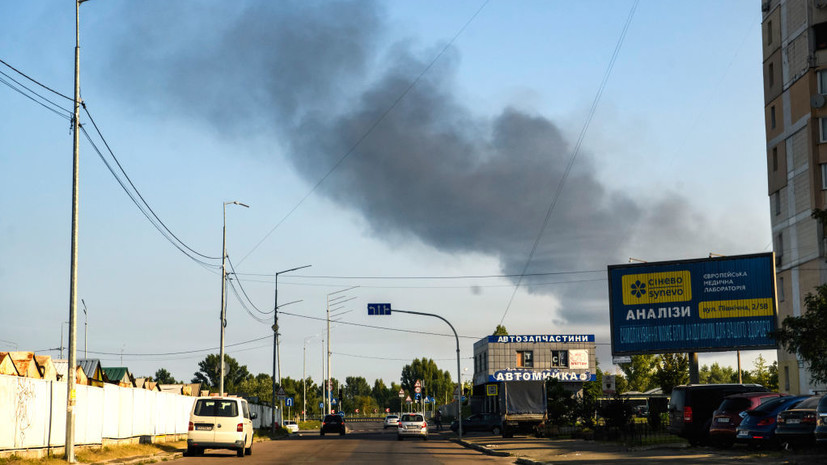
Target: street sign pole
column 385, row 309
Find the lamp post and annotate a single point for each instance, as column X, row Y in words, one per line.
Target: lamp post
column 223, row 294
column 304, row 377
column 61, row 338
column 327, row 379
column 276, row 352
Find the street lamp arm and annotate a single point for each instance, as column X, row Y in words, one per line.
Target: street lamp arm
column 288, row 303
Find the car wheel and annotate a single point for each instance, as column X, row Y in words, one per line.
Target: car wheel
column 249, row 450
column 495, row 430
column 240, row 451
column 341, row 433
column 321, row 433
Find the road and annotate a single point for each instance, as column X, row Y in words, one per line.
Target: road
column 367, row 444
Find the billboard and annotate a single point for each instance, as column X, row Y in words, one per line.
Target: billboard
column 702, row 305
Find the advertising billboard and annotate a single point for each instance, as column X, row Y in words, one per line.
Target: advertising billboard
column 702, row 305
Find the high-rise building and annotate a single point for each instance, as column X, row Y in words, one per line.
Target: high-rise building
column 794, row 37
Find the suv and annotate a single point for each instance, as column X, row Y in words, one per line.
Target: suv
column 332, row 424
column 220, row 423
column 691, row 406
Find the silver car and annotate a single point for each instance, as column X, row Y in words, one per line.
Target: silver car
column 391, row 421
column 412, row 424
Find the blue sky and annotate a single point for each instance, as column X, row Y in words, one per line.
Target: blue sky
column 206, row 102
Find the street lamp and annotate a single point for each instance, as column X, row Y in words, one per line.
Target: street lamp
column 276, row 352
column 304, row 376
column 327, row 386
column 223, row 294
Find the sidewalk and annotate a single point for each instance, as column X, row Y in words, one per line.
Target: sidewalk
column 532, row 451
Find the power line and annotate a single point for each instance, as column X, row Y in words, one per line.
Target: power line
column 36, row 82
column 434, row 277
column 245, row 292
column 574, row 154
column 143, row 201
column 244, row 305
column 55, row 108
column 385, row 328
column 370, row 129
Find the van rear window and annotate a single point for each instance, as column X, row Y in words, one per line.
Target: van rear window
column 216, row 408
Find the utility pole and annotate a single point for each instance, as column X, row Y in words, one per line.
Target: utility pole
column 85, row 330
column 224, row 293
column 276, row 352
column 71, row 397
column 327, row 380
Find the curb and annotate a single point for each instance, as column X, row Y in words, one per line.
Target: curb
column 478, row 448
column 525, row 461
column 159, row 457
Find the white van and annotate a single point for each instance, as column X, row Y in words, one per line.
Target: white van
column 220, row 423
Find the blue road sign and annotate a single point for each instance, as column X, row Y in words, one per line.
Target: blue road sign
column 379, row 309
column 321, row 404
column 333, row 401
column 418, row 396
column 288, row 402
column 427, row 400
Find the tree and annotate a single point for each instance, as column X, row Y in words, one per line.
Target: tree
column 672, row 370
column 162, row 376
column 500, row 331
column 260, row 386
column 716, row 374
column 763, row 373
column 436, row 383
column 639, row 373
column 806, row 335
column 208, row 373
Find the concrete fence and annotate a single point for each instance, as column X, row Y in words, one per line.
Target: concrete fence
column 33, row 413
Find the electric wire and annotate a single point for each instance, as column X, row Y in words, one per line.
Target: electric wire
column 245, row 292
column 135, row 201
column 143, row 201
column 575, row 152
column 385, row 328
column 244, row 305
column 420, row 277
column 67, row 115
column 370, row 129
column 36, row 82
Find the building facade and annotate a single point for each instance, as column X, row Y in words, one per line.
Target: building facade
column 794, row 38
column 568, row 358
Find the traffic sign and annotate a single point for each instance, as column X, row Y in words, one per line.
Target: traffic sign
column 379, row 309
column 387, row 410
column 281, row 392
column 408, row 400
column 288, row 402
column 418, row 384
column 417, row 389
column 321, row 404
column 401, row 393
column 333, row 401
column 418, row 396
column 427, row 400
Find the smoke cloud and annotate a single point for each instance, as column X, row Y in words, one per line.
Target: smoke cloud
column 320, row 75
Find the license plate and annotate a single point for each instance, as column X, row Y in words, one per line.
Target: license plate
column 722, row 420
column 203, row 428
column 743, row 434
column 793, row 421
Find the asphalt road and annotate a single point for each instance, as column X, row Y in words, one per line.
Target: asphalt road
column 366, row 444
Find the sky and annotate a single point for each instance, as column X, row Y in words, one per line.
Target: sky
column 412, row 149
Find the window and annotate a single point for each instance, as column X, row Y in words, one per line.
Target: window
column 823, row 176
column 771, row 74
column 779, row 247
column 776, row 200
column 822, row 81
column 822, row 129
column 820, row 36
column 780, row 288
column 772, row 117
column 525, row 358
column 560, row 358
column 769, row 32
column 775, row 158
column 786, row 378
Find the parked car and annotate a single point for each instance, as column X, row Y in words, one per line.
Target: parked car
column 821, row 426
column 291, row 426
column 412, row 424
column 391, row 421
column 480, row 422
column 333, row 424
column 730, row 413
column 220, row 423
column 691, row 406
column 796, row 426
column 757, row 429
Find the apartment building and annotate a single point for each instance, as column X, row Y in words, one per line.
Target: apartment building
column 794, row 37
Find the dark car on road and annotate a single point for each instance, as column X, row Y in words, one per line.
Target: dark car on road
column 796, row 426
column 691, row 406
column 730, row 413
column 484, row 422
column 821, row 426
column 332, row 424
column 757, row 429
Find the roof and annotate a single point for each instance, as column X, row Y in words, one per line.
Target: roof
column 119, row 374
column 90, row 367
